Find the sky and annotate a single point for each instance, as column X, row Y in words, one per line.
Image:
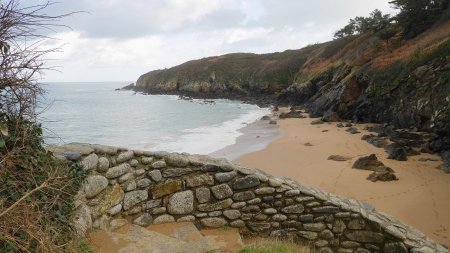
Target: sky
column 118, row 40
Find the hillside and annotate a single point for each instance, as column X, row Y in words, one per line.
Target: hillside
column 362, row 78
column 231, row 75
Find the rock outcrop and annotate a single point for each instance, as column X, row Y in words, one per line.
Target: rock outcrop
column 364, row 79
column 380, row 171
column 215, row 193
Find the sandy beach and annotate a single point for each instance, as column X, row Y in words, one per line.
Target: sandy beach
column 255, row 136
column 420, row 198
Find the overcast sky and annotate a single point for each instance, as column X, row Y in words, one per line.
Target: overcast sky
column 118, row 40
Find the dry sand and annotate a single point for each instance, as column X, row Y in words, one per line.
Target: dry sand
column 420, row 198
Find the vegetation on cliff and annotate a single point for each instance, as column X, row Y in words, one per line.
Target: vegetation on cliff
column 356, row 76
column 239, row 74
column 36, row 190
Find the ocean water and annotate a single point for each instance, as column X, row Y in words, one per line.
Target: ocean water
column 96, row 113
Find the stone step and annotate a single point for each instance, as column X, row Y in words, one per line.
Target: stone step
column 212, row 240
column 181, row 237
column 186, row 232
column 136, row 239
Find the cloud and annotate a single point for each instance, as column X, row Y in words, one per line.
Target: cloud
column 119, row 39
column 237, row 35
column 177, row 12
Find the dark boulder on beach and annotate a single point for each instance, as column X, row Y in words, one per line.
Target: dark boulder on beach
column 369, row 162
column 331, row 116
column 396, row 152
column 378, row 142
column 384, row 175
column 317, row 122
column 446, row 159
column 352, row 130
column 291, row 114
column 338, row 158
column 380, row 171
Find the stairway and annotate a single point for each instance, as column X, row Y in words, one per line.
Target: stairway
column 164, row 238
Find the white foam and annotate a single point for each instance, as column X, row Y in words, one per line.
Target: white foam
column 207, row 139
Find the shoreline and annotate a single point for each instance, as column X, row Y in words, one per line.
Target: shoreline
column 420, row 198
column 261, row 100
column 255, row 136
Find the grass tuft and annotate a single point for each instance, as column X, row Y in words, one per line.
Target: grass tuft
column 275, row 246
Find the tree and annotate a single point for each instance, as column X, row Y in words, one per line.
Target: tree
column 376, row 22
column 416, row 16
column 379, row 21
column 21, row 62
column 36, row 190
column 347, row 30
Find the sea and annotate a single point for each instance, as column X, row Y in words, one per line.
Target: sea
column 94, row 112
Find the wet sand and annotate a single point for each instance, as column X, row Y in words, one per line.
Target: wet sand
column 255, row 136
column 420, row 198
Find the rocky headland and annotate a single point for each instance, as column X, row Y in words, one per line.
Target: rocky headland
column 401, row 82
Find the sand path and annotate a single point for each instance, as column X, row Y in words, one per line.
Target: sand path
column 420, row 198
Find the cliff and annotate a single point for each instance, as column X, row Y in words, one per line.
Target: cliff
column 362, row 78
column 237, row 75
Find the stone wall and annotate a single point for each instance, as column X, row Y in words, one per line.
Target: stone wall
column 157, row 187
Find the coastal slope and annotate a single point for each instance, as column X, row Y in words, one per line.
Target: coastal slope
column 401, row 81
